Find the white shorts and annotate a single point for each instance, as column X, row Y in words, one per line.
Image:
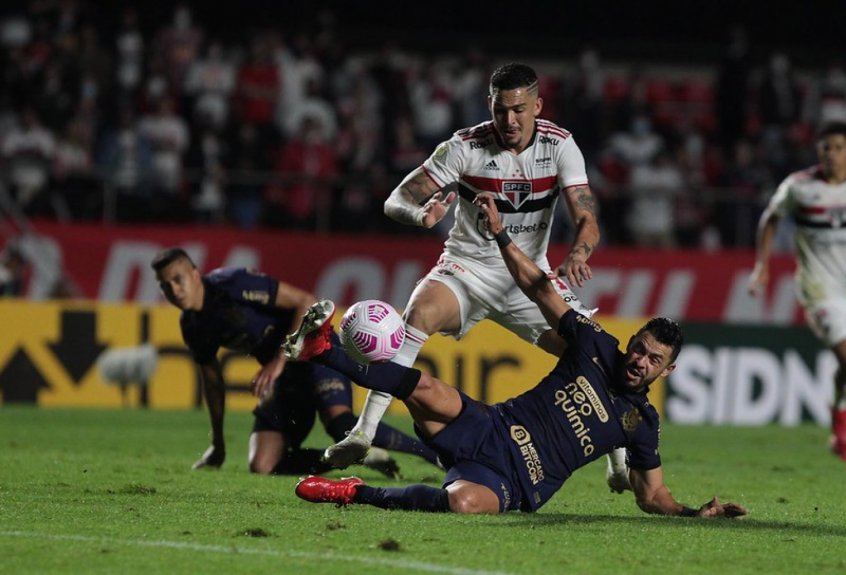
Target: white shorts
column 827, row 320
column 491, row 293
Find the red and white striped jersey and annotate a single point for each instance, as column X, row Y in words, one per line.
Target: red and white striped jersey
column 526, row 186
column 819, row 210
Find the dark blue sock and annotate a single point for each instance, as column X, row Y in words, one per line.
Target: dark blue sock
column 389, row 377
column 389, row 438
column 411, row 498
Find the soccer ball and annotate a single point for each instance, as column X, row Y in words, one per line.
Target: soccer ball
column 372, row 331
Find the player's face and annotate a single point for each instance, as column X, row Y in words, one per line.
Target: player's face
column 646, row 360
column 831, row 151
column 514, row 113
column 182, row 285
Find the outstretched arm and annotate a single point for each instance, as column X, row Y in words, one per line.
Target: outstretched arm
column 404, row 203
column 582, row 206
column 531, row 279
column 215, row 393
column 653, row 497
column 760, row 275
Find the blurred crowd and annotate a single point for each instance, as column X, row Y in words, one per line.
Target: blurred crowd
column 164, row 122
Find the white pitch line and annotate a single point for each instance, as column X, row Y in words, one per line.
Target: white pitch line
column 233, row 550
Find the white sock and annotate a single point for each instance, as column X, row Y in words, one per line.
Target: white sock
column 617, row 458
column 377, row 402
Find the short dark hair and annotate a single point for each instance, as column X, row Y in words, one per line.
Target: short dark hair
column 511, row 76
column 831, row 129
column 169, row 255
column 665, row 331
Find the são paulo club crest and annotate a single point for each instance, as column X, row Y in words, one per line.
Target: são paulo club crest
column 517, row 192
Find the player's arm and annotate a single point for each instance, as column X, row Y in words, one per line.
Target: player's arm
column 531, row 279
column 582, row 206
column 214, row 390
column 287, row 297
column 767, row 227
column 417, row 201
column 653, row 496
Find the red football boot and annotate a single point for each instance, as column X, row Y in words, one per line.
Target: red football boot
column 312, row 337
column 321, row 490
column 838, row 430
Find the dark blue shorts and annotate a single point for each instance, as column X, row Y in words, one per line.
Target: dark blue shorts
column 472, row 448
column 303, row 390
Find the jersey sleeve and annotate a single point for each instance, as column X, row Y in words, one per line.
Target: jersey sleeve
column 580, row 332
column 446, row 164
column 781, row 203
column 248, row 286
column 642, row 449
column 571, row 165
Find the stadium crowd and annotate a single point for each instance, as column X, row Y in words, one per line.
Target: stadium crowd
column 163, row 121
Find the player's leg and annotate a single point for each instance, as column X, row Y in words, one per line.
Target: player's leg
column 431, row 402
column 478, row 483
column 282, row 422
column 433, row 307
column 838, row 408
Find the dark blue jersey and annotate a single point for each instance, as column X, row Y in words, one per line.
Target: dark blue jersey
column 576, row 414
column 238, row 313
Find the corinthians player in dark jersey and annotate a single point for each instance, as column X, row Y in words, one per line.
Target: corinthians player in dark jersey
column 516, row 454
column 251, row 312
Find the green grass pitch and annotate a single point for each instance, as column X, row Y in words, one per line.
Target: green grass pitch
column 99, row 491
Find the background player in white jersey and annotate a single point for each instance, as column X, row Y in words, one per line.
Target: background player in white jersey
column 816, row 199
column 524, row 162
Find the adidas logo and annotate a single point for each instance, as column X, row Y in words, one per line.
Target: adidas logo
column 491, row 165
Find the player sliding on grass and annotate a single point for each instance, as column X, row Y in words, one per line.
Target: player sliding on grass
column 517, row 454
column 528, row 163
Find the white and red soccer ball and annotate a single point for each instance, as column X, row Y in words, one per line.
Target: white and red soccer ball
column 372, row 331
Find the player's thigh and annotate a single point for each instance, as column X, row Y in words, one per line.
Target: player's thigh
column 290, row 410
column 435, row 306
column 433, row 405
column 828, row 322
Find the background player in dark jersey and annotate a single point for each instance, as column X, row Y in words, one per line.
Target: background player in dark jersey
column 251, row 312
column 517, row 454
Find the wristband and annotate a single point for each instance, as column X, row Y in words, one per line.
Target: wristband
column 502, row 238
column 688, row 512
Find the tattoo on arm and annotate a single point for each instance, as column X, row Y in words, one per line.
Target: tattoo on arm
column 583, row 247
column 419, row 188
column 582, row 199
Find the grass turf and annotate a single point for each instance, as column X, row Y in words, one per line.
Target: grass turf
column 99, row 491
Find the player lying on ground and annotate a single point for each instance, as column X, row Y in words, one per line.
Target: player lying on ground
column 528, row 163
column 251, row 312
column 517, row 454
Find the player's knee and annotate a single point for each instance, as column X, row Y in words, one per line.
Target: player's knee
column 471, row 501
column 262, row 465
column 424, row 317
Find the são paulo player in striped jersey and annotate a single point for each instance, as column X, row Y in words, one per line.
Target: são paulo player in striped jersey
column 526, row 163
column 816, row 200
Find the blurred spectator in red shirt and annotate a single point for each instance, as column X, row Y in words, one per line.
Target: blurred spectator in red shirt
column 306, row 167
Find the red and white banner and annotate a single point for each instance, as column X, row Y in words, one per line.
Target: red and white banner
column 112, row 264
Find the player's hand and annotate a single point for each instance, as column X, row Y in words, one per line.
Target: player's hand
column 758, row 280
column 485, row 202
column 575, row 268
column 716, row 509
column 436, row 208
column 262, row 383
column 213, row 458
